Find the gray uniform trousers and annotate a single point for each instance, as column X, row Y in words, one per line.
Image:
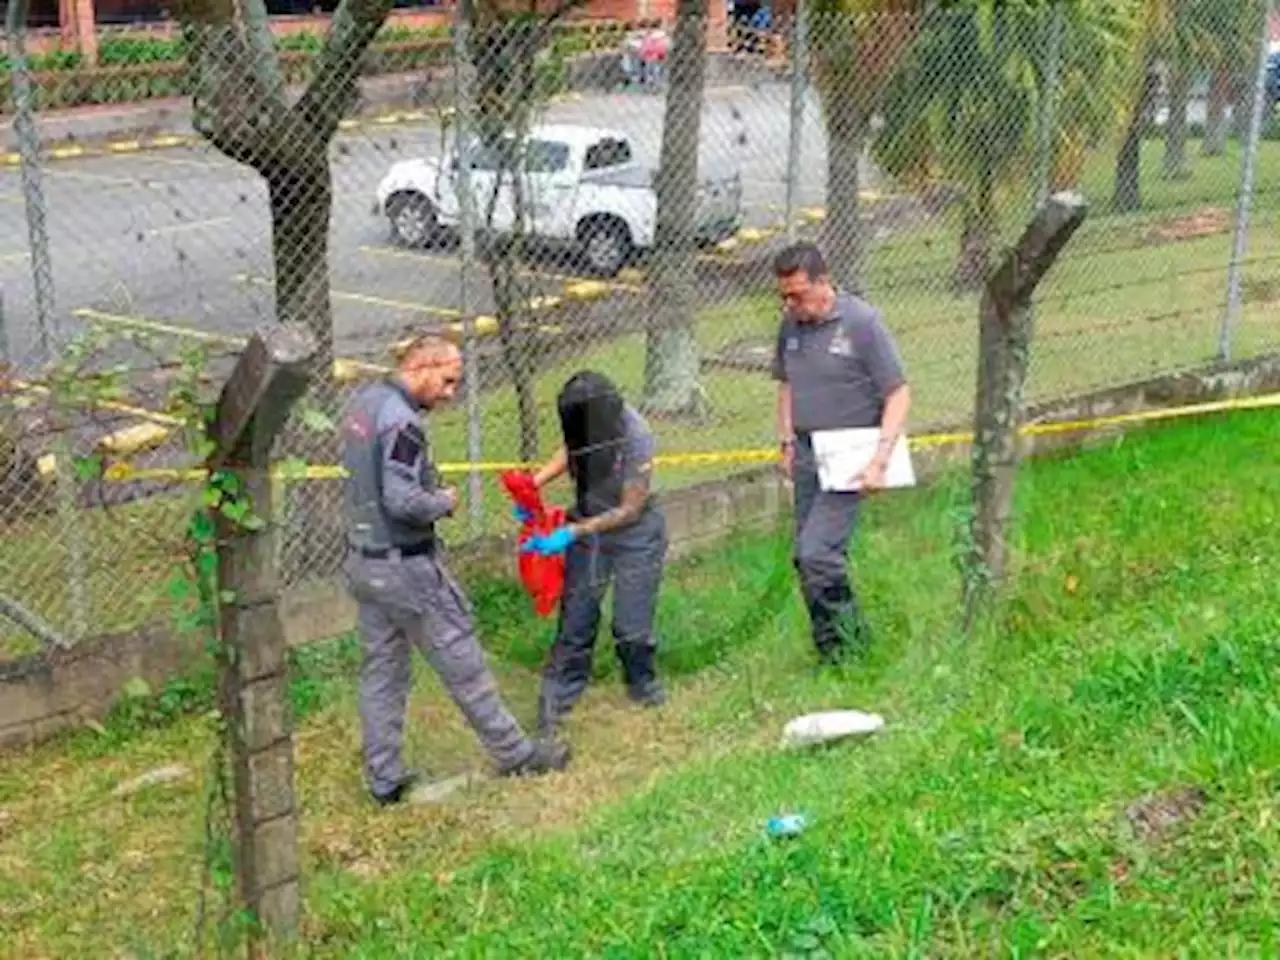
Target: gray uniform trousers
column 824, row 525
column 632, row 559
column 409, row 602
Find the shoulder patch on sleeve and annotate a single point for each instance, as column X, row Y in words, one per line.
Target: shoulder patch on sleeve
column 408, row 445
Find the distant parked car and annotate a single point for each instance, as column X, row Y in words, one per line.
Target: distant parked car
column 583, row 189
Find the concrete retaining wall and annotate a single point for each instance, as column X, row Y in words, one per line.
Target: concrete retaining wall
column 48, row 692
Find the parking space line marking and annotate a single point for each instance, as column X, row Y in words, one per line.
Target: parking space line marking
column 10, row 198
column 13, row 257
column 175, row 140
column 185, row 162
column 155, row 326
column 179, row 227
column 406, row 305
column 140, row 412
column 524, row 271
column 190, row 333
column 97, row 178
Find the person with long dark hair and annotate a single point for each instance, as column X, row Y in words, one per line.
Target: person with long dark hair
column 615, row 533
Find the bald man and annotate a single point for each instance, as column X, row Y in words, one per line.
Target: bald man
column 396, row 571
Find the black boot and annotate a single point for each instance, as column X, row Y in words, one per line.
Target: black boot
column 547, row 756
column 550, row 711
column 564, row 679
column 840, row 631
column 643, row 685
column 402, row 788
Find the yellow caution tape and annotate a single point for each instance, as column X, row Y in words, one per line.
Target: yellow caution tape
column 120, row 472
column 140, row 412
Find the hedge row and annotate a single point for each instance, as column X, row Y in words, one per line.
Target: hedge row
column 131, row 69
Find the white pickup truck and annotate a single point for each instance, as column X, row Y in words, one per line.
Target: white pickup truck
column 583, row 189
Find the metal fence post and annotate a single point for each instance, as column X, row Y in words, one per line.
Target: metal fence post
column 4, row 333
column 1049, row 106
column 24, row 125
column 799, row 72
column 464, row 111
column 47, row 333
column 1244, row 199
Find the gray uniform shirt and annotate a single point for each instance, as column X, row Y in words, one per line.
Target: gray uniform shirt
column 840, row 369
column 392, row 490
column 632, row 463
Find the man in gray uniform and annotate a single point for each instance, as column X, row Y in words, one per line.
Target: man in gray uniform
column 405, row 592
column 837, row 367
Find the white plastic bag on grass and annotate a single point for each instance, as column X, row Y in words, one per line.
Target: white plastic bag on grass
column 830, row 725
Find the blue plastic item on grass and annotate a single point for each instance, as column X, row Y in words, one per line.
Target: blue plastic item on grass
column 789, row 826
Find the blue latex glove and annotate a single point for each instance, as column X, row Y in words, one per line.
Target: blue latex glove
column 557, row 541
column 521, row 514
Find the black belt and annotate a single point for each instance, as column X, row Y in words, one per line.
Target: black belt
column 412, row 550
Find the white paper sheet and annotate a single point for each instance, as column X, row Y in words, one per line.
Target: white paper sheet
column 843, row 454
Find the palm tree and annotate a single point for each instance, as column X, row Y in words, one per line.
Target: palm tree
column 962, row 109
column 965, row 107
column 1095, row 61
column 1150, row 30
column 856, row 48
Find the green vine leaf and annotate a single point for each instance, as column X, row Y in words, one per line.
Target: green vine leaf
column 253, row 523
column 206, row 564
column 234, row 510
column 201, row 528
column 180, row 587
column 317, row 421
column 88, row 468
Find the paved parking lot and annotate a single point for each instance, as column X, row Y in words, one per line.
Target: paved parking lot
column 182, row 237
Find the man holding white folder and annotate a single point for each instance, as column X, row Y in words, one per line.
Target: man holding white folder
column 840, row 383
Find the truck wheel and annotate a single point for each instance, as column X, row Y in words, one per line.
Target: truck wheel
column 606, row 246
column 413, row 220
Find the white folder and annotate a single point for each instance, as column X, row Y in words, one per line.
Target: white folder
column 842, row 454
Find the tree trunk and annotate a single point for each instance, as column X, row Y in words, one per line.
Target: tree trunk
column 507, row 97
column 1174, row 165
column 976, row 240
column 301, row 196
column 843, row 239
column 672, row 363
column 1004, row 357
column 239, row 105
column 1216, row 126
column 513, row 338
column 1128, row 183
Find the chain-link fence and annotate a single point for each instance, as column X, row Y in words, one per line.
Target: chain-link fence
column 557, row 197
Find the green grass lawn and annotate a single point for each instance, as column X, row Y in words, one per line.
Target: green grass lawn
column 1127, row 301
column 1136, row 657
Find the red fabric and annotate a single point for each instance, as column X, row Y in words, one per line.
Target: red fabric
column 542, row 577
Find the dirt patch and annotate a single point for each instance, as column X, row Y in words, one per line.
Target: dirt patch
column 1261, row 290
column 1156, row 816
column 1206, row 222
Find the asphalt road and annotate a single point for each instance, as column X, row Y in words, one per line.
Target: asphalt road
column 182, row 237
